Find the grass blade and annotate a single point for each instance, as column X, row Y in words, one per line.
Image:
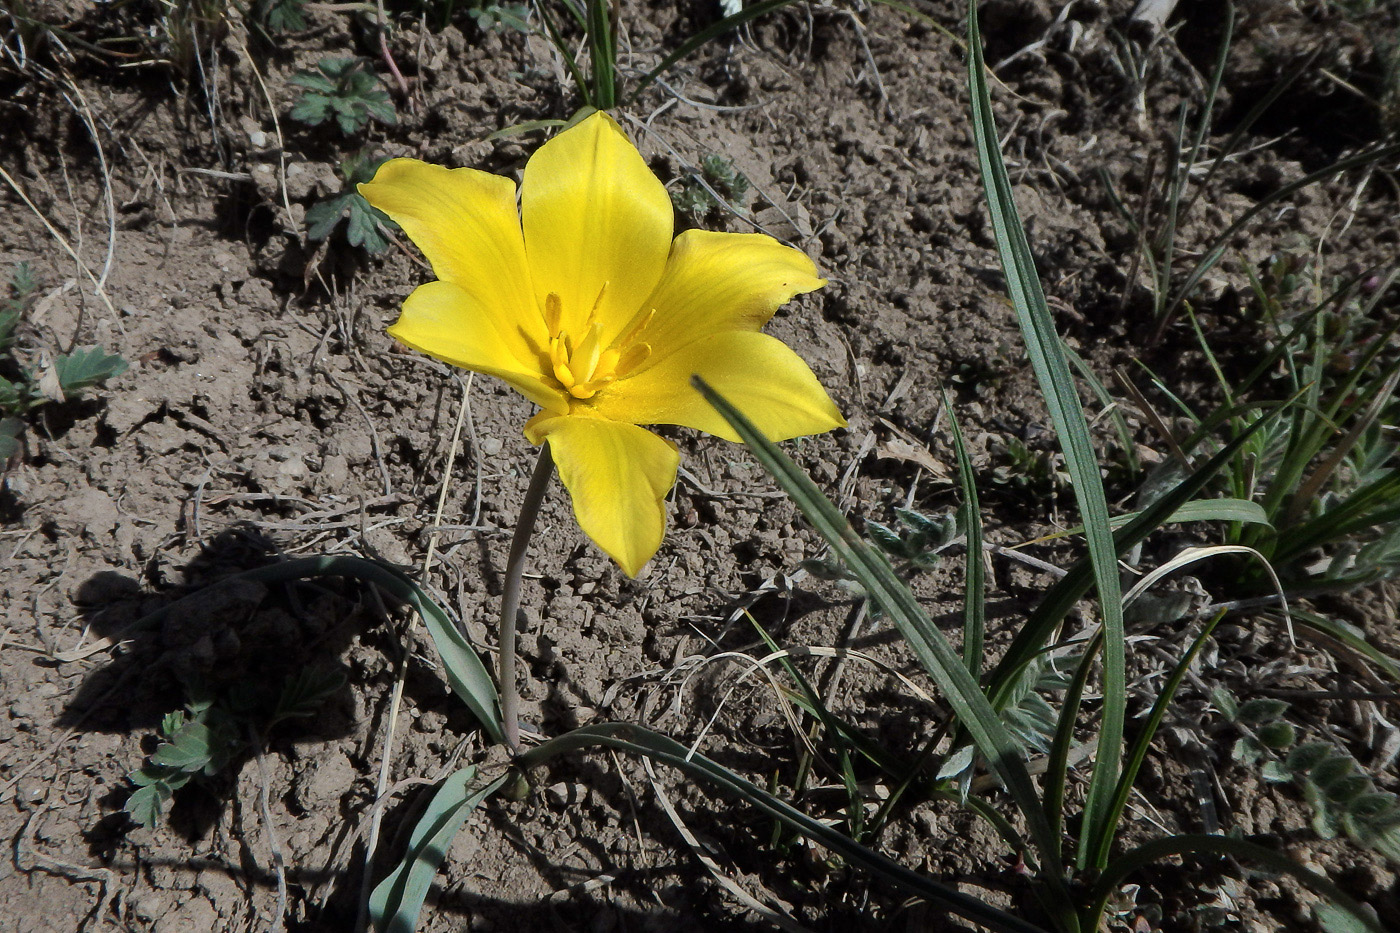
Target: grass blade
column 639, row 741
column 1216, row 250
column 1062, row 398
column 1061, row 597
column 1138, row 753
column 1226, row 509
column 975, row 595
column 396, row 901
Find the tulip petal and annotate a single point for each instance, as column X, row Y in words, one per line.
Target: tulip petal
column 466, row 224
column 444, row 321
column 597, row 225
column 762, row 377
column 618, row 476
column 715, row 282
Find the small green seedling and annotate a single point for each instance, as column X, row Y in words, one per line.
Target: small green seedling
column 201, row 740
column 913, row 547
column 364, row 225
column 1030, row 474
column 281, row 15
column 717, row 176
column 24, row 388
column 499, row 17
column 345, row 90
column 23, row 291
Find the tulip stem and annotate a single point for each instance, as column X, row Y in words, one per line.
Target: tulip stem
column 510, row 594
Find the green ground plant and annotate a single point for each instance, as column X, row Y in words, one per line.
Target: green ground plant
column 343, row 91
column 718, row 181
column 200, row 742
column 25, row 387
column 364, row 225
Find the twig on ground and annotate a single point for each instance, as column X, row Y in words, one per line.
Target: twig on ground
column 101, row 290
column 274, row 845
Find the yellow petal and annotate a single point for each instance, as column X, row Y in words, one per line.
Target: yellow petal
column 716, row 282
column 618, row 476
column 442, row 320
column 466, row 224
column 597, row 225
column 764, row 379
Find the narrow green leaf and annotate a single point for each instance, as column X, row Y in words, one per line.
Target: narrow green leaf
column 975, row 585
column 1244, row 511
column 1103, row 843
column 1062, row 398
column 396, row 901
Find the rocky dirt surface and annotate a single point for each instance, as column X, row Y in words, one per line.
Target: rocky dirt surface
column 265, row 414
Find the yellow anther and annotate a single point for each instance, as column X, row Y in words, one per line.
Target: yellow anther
column 582, row 367
column 553, row 313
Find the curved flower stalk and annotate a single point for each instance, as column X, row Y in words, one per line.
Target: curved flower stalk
column 583, row 303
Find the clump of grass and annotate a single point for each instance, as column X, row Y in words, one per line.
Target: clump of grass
column 1327, row 471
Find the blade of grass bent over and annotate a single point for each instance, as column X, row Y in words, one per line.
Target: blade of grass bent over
column 1061, row 597
column 933, row 651
column 1062, row 398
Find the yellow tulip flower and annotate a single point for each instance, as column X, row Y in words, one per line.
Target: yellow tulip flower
column 582, row 302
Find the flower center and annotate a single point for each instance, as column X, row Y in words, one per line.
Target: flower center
column 583, row 364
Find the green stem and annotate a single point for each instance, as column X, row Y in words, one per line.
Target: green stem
column 510, row 595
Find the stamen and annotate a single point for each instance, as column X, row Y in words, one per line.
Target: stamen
column 553, row 313
column 582, row 367
column 640, row 323
column 631, row 358
column 593, row 314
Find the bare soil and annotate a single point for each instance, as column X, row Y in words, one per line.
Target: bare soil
column 266, row 414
